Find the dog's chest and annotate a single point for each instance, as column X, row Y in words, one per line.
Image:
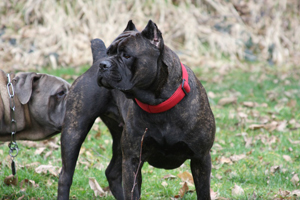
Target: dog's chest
column 166, row 149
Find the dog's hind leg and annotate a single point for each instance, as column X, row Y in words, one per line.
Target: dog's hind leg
column 82, row 108
column 201, row 169
column 71, row 141
column 114, row 175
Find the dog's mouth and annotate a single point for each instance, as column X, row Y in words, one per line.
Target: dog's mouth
column 103, row 83
column 113, row 80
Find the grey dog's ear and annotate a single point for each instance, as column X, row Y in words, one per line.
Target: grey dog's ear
column 152, row 33
column 98, row 49
column 23, row 85
column 130, row 26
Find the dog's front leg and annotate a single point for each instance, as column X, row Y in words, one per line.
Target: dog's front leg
column 132, row 178
column 201, row 169
column 131, row 168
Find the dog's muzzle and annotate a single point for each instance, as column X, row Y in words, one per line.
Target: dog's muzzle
column 104, row 65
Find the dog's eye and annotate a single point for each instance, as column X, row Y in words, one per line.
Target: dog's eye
column 126, row 56
column 60, row 94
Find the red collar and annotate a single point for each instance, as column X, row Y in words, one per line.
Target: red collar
column 178, row 95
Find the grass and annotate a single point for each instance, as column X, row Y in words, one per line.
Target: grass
column 278, row 90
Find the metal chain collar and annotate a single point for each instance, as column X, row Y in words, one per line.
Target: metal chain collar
column 13, row 146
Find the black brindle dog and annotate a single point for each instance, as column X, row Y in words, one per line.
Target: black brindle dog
column 147, row 88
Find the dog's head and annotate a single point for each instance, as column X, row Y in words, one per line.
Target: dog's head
column 45, row 96
column 132, row 60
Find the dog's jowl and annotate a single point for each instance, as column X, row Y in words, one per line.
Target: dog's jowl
column 166, row 98
column 39, row 105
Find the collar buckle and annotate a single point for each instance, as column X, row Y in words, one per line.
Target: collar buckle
column 182, row 87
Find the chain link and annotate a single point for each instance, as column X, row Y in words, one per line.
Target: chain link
column 13, row 146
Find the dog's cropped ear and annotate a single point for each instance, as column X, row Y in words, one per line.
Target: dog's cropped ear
column 98, row 49
column 130, row 26
column 152, row 33
column 23, row 85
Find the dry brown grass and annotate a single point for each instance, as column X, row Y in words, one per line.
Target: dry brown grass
column 58, row 33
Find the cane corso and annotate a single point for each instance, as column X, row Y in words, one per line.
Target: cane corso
column 145, row 92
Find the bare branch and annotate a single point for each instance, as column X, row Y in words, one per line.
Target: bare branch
column 140, row 162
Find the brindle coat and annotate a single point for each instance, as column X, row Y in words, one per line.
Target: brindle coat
column 139, row 65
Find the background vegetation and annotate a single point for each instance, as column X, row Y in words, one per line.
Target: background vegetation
column 245, row 52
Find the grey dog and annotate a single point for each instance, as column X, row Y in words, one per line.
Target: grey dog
column 39, row 105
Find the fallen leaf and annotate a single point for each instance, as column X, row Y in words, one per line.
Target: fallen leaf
column 271, row 126
column 294, row 141
column 292, row 103
column 296, row 193
column 26, row 182
column 183, row 189
column 164, row 183
column 218, row 146
column 49, row 153
column 186, row 177
column 99, row 166
column 295, row 179
column 264, row 119
column 218, row 176
column 281, row 126
column 253, row 196
column 242, row 115
column 11, row 180
column 213, row 195
column 224, row 160
column 211, row 95
column 264, row 105
column 275, row 168
column 50, row 182
column 228, row 171
column 39, row 151
column 265, row 139
column 169, row 176
column 31, row 165
column 237, row 190
column 236, row 158
column 98, row 191
column 29, row 143
column 248, row 141
column 294, row 124
column 284, row 193
column 21, row 197
column 227, row 100
column 250, row 104
column 52, row 145
column 44, row 169
column 287, row 158
column 256, row 126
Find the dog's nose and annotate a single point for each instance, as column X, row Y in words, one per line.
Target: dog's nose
column 105, row 64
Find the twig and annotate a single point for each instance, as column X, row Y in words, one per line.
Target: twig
column 99, row 154
column 140, row 162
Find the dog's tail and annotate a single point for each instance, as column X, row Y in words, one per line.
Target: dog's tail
column 98, row 49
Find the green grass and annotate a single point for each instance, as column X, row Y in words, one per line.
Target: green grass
column 278, row 90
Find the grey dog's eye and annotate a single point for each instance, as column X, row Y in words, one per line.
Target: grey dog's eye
column 60, row 94
column 126, row 56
